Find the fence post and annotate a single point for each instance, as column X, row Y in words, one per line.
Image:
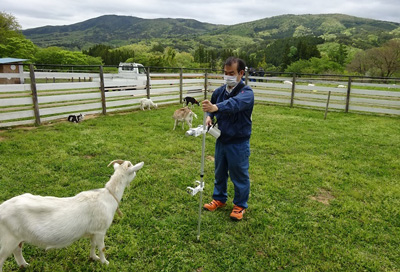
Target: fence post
column 293, row 90
column 34, row 95
column 205, row 84
column 180, row 85
column 148, row 82
column 102, row 91
column 327, row 105
column 246, row 72
column 348, row 95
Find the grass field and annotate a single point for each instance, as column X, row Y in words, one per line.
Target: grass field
column 325, row 194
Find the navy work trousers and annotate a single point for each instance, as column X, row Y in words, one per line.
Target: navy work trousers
column 232, row 160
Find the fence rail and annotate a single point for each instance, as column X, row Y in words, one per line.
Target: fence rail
column 47, row 96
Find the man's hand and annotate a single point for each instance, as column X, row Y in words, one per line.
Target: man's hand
column 208, row 107
column 208, row 121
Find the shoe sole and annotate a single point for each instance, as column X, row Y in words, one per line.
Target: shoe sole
column 214, row 209
column 236, row 219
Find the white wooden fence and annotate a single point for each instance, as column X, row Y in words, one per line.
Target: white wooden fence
column 55, row 95
column 352, row 95
column 87, row 93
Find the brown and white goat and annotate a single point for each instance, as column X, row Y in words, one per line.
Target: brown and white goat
column 184, row 115
column 52, row 222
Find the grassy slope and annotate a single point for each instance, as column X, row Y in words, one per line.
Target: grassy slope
column 298, row 161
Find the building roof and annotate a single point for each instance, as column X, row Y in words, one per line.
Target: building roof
column 10, row 60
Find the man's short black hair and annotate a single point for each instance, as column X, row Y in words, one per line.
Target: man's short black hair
column 241, row 65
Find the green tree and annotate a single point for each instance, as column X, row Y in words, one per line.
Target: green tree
column 386, row 58
column 109, row 55
column 12, row 42
column 18, row 47
column 200, row 54
column 285, row 51
column 185, row 60
column 169, row 57
column 315, row 66
column 9, row 27
column 360, row 63
column 56, row 55
column 381, row 61
column 338, row 54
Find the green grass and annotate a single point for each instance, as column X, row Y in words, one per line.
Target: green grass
column 325, row 194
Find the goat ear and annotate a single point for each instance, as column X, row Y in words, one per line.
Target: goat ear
column 138, row 166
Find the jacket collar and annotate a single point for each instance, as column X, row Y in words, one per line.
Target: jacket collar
column 236, row 90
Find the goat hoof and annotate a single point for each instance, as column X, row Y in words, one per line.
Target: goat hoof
column 95, row 258
column 23, row 266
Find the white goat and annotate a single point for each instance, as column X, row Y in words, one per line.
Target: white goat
column 51, row 222
column 184, row 115
column 144, row 102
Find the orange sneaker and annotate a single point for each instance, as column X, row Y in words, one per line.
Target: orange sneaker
column 213, row 205
column 237, row 213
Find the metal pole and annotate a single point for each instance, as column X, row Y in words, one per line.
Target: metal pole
column 203, row 148
column 205, row 84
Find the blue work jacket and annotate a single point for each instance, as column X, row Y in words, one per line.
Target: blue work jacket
column 234, row 112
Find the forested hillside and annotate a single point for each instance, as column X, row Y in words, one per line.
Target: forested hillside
column 117, row 30
column 327, row 43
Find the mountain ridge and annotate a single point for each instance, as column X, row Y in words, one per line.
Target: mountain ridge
column 118, row 30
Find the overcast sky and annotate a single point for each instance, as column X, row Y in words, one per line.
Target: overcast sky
column 36, row 13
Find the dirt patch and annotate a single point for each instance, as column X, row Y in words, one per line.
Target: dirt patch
column 324, row 196
column 90, row 116
column 210, row 158
column 2, row 139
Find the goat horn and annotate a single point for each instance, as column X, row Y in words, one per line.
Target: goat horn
column 115, row 161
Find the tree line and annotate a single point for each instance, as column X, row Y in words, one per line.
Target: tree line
column 303, row 54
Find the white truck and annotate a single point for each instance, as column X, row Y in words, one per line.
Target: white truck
column 131, row 76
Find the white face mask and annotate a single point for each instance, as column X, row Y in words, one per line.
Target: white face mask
column 230, row 80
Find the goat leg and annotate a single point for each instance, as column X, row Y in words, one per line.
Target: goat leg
column 9, row 245
column 18, row 256
column 93, row 255
column 98, row 240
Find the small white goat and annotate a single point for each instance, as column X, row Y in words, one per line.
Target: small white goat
column 144, row 102
column 184, row 115
column 52, row 222
column 287, row 82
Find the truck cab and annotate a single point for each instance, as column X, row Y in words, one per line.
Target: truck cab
column 131, row 68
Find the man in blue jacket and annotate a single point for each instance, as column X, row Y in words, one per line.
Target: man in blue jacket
column 232, row 106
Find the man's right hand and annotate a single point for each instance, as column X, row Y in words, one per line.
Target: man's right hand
column 207, row 106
